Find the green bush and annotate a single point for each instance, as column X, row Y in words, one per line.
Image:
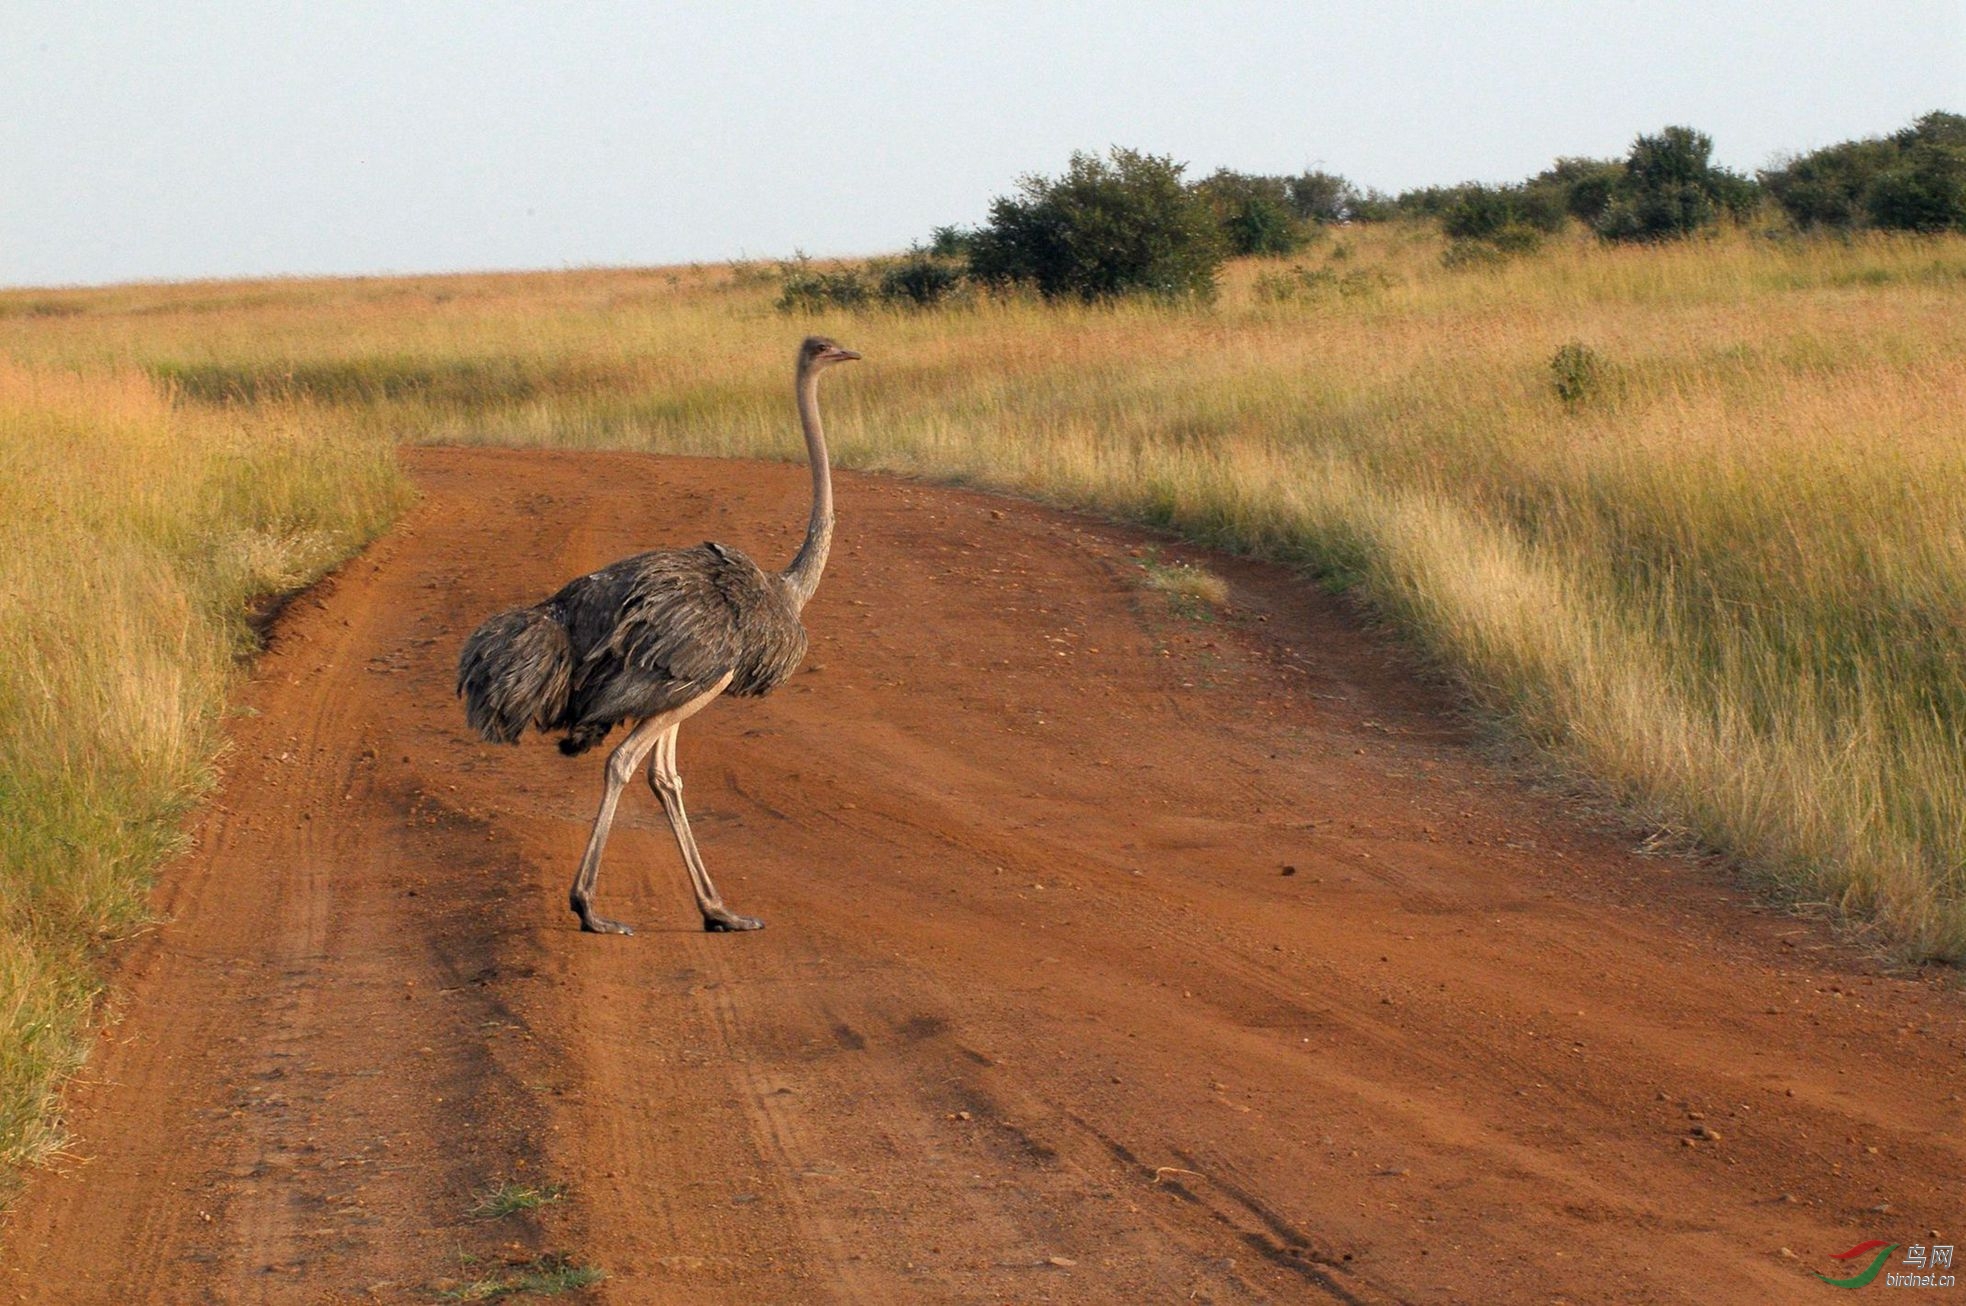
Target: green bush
column 1486, row 225
column 1374, row 206
column 1576, row 372
column 1507, row 216
column 1476, row 213
column 1581, row 187
column 1426, row 201
column 1911, row 180
column 1657, row 215
column 1119, row 225
column 920, row 279
column 1255, row 213
column 1259, row 226
column 1326, row 197
column 1947, row 130
column 917, row 279
column 951, row 242
column 806, row 289
column 1925, row 192
column 1671, row 188
column 1828, row 188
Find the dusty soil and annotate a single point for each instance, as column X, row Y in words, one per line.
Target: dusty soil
column 1114, row 954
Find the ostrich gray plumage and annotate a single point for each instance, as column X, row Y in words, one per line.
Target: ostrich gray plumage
column 632, row 640
column 650, row 639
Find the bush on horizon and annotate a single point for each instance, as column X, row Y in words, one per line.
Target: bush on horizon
column 1671, row 188
column 1122, row 224
column 1912, row 180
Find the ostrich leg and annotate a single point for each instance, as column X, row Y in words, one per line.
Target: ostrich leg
column 623, row 762
column 667, row 782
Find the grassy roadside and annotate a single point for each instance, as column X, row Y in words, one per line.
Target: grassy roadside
column 1713, row 564
column 133, row 533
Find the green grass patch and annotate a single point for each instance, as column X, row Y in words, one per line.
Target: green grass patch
column 510, row 1199
column 544, row 1276
column 1192, row 591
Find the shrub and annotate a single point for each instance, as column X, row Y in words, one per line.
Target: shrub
column 1539, row 208
column 1925, row 192
column 1947, row 130
column 806, row 289
column 1576, row 372
column 1827, row 189
column 1260, row 226
column 1477, row 213
column 1372, row 206
column 1582, row 187
column 753, row 272
column 1487, row 224
column 1324, row 197
column 1738, row 195
column 951, row 241
column 1119, row 225
column 1426, row 201
column 1254, row 212
column 920, row 279
column 1670, row 188
column 1508, row 216
column 1911, row 180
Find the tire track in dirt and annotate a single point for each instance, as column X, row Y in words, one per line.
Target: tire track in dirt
column 1113, row 955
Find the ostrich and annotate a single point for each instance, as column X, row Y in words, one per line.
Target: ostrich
column 651, row 640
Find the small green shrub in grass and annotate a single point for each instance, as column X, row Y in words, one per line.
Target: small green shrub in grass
column 1576, row 372
column 804, row 288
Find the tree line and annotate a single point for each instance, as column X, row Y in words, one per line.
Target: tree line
column 1129, row 222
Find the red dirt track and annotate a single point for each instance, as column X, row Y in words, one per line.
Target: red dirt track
column 1112, row 955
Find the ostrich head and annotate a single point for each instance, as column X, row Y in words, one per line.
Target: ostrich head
column 818, row 352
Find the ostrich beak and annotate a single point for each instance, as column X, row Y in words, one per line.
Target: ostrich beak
column 838, row 355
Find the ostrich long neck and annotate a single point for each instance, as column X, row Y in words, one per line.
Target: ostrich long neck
column 803, row 575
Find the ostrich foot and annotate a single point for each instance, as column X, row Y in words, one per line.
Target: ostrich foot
column 720, row 921
column 592, row 924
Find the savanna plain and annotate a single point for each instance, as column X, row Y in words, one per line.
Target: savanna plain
column 1674, row 536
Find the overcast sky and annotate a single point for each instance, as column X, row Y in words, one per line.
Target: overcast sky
column 142, row 141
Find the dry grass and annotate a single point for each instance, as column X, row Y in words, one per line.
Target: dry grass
column 1725, row 583
column 1186, row 584
column 542, row 1276
column 133, row 532
column 509, row 1198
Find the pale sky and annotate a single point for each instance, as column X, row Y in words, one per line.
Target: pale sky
column 248, row 137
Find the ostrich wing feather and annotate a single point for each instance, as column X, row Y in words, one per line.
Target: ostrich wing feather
column 661, row 628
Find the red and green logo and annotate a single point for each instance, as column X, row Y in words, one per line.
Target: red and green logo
column 1863, row 1277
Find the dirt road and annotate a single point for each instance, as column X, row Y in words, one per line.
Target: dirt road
column 1113, row 955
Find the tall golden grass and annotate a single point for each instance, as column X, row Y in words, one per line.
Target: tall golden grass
column 1726, row 584
column 133, row 532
